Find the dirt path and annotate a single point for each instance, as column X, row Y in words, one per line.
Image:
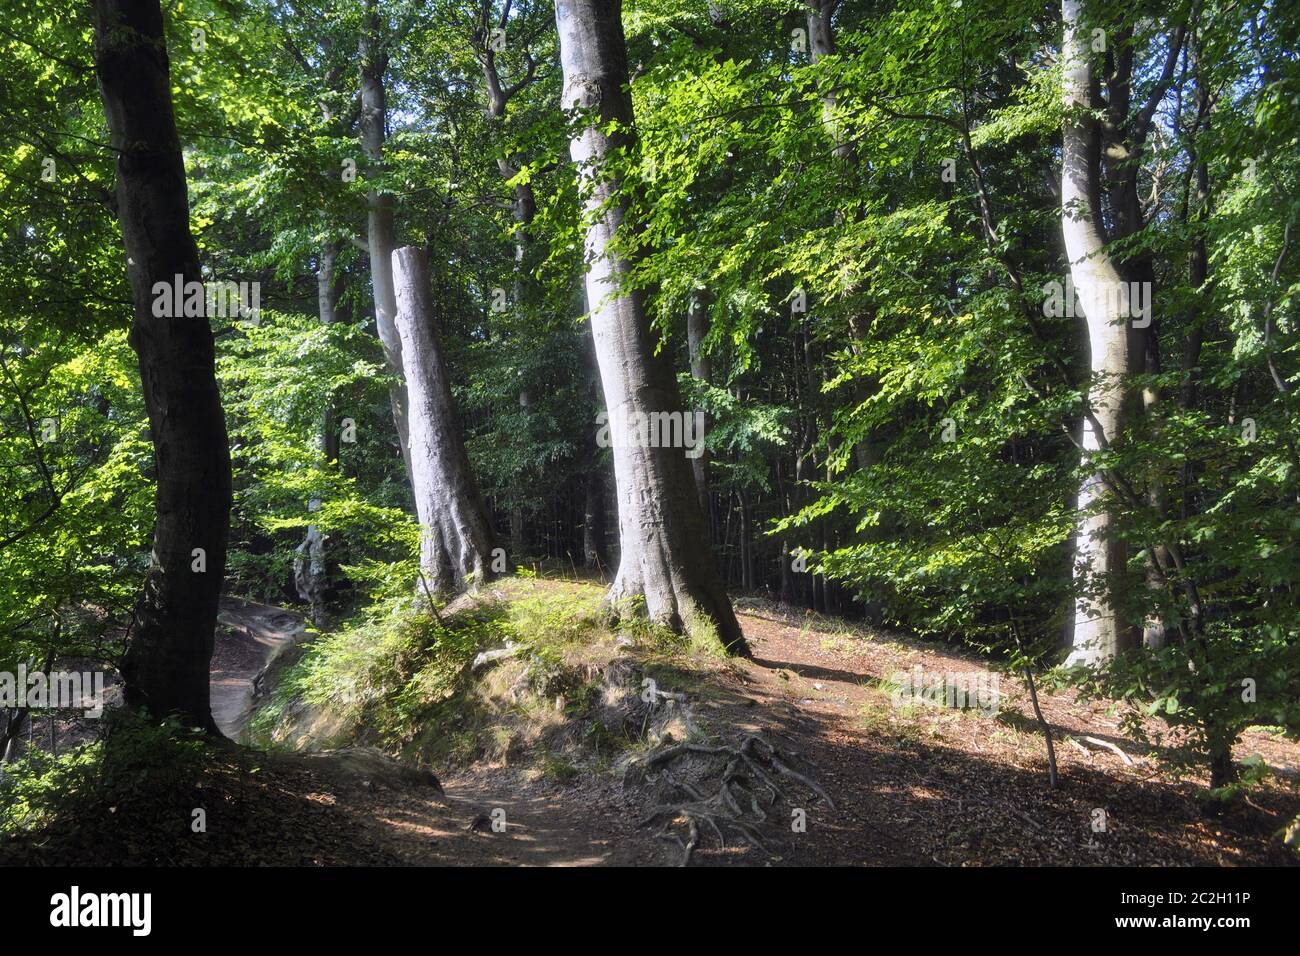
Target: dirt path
column 912, row 786
column 932, row 785
column 536, row 824
column 496, row 818
column 250, row 635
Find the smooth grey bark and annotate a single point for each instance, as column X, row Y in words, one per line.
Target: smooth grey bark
column 456, row 540
column 821, row 43
column 664, row 549
column 1100, row 629
column 309, row 578
column 380, row 218
column 166, row 667
column 524, row 203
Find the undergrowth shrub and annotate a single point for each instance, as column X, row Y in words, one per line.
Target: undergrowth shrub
column 400, row 678
column 134, row 763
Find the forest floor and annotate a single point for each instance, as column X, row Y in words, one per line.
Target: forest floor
column 917, row 785
column 911, row 785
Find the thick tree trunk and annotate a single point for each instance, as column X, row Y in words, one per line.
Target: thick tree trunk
column 665, row 556
column 456, row 539
column 1100, row 629
column 165, row 669
column 380, row 215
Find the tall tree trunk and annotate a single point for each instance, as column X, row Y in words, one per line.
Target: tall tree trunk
column 310, row 568
column 523, row 209
column 521, row 545
column 746, row 542
column 664, row 547
column 456, row 540
column 785, row 502
column 594, row 544
column 594, row 555
column 821, row 43
column 697, row 329
column 1100, row 629
column 821, row 36
column 380, row 214
column 807, row 464
column 1123, row 139
column 1198, row 279
column 327, row 299
column 166, row 667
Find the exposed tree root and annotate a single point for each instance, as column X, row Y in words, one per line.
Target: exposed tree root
column 745, row 794
column 1107, row 745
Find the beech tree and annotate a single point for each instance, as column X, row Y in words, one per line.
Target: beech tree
column 310, row 564
column 1101, row 628
column 165, row 669
column 665, row 557
column 697, row 330
column 456, row 539
column 830, row 227
column 381, row 234
column 489, row 39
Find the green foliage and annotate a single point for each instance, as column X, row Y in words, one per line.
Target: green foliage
column 134, row 763
column 381, row 672
column 911, row 431
column 400, row 678
column 279, row 380
column 1209, row 692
